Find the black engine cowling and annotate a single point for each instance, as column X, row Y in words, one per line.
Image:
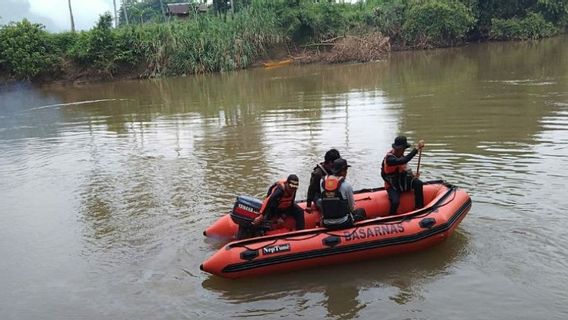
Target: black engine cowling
column 245, row 210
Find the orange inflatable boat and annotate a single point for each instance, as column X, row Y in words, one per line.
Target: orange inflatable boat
column 282, row 250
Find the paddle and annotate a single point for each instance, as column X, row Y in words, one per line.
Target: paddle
column 419, row 158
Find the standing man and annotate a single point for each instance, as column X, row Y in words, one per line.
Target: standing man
column 279, row 202
column 321, row 170
column 337, row 203
column 398, row 177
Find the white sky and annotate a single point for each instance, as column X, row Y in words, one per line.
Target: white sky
column 54, row 14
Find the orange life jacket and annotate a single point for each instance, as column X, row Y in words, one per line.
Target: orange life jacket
column 287, row 199
column 391, row 173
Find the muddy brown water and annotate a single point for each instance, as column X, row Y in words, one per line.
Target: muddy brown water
column 106, row 188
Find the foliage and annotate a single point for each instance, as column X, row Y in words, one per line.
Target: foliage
column 152, row 11
column 241, row 4
column 533, row 26
column 310, row 21
column 221, row 6
column 488, row 11
column 437, row 23
column 389, row 18
column 102, row 49
column 26, row 51
column 63, row 41
column 205, row 43
column 554, row 11
column 222, row 40
column 145, row 11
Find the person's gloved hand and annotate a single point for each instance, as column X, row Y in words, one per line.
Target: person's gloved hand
column 258, row 220
column 420, row 145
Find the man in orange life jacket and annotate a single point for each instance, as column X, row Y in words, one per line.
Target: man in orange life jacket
column 338, row 205
column 398, row 178
column 280, row 201
column 321, row 170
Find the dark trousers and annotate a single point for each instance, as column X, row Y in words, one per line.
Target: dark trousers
column 394, row 196
column 357, row 215
column 294, row 211
column 317, row 202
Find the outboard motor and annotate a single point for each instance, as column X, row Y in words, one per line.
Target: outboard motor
column 245, row 210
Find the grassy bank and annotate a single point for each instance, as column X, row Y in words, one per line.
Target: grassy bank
column 214, row 42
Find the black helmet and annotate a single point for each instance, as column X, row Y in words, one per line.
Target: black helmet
column 400, row 143
column 338, row 165
column 331, row 155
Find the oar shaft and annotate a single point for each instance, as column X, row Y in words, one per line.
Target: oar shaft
column 419, row 158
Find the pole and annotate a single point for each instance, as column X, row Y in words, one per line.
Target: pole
column 71, row 15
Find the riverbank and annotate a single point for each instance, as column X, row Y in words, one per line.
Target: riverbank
column 306, row 31
column 342, row 49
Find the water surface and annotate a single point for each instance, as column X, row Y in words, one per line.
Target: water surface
column 106, row 188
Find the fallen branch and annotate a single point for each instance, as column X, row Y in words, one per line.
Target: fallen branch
column 317, row 45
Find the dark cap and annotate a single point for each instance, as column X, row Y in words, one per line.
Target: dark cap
column 331, row 155
column 338, row 165
column 400, row 143
column 293, row 181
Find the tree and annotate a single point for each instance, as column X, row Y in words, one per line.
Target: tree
column 125, row 8
column 26, row 51
column 115, row 17
column 71, row 14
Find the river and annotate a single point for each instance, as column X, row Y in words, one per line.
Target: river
column 106, row 188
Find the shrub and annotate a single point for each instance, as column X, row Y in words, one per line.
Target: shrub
column 389, row 18
column 533, row 26
column 103, row 49
column 26, row 51
column 313, row 21
column 555, row 11
column 437, row 23
column 63, row 42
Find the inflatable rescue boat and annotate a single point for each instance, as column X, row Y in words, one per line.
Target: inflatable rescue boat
column 283, row 250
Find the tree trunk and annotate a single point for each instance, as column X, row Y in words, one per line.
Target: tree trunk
column 115, row 15
column 125, row 11
column 71, row 15
column 163, row 9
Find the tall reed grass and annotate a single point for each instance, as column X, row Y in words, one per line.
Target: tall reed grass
column 203, row 43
